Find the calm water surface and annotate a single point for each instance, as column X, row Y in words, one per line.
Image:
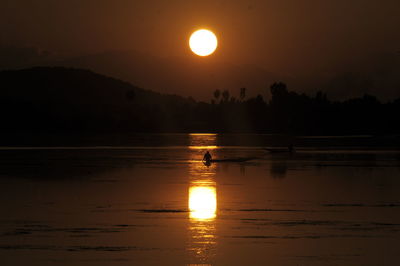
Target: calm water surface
column 161, row 205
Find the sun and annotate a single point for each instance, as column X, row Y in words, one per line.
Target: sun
column 203, row 42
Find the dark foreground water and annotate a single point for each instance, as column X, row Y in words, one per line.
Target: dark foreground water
column 160, row 205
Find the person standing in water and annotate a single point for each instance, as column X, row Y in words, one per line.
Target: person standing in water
column 207, row 157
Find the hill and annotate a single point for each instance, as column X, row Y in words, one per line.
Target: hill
column 57, row 105
column 67, row 99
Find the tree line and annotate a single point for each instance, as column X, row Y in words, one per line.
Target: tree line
column 72, row 101
column 289, row 112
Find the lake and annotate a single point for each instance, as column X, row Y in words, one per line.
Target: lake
column 334, row 201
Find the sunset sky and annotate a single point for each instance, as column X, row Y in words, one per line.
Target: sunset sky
column 314, row 43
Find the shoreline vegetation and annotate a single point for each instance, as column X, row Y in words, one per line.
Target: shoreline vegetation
column 66, row 104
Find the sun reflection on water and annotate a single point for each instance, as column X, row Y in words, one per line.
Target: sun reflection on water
column 202, row 220
column 202, row 202
column 203, row 141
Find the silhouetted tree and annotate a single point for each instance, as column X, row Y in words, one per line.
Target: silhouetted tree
column 225, row 95
column 279, row 93
column 242, row 93
column 320, row 97
column 217, row 94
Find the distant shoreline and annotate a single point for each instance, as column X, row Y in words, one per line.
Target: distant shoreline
column 23, row 139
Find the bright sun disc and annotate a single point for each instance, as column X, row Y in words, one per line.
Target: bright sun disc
column 203, row 42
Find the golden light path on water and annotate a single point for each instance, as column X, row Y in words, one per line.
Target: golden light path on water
column 202, row 202
column 203, row 147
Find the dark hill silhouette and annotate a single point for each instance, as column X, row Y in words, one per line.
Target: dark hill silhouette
column 60, row 98
column 45, row 103
column 75, row 86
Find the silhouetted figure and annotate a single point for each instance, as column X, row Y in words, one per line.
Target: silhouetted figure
column 207, row 158
column 207, row 163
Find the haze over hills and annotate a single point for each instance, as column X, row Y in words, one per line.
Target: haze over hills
column 198, row 78
column 186, row 76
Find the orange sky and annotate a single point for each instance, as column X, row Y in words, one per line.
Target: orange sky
column 292, row 38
